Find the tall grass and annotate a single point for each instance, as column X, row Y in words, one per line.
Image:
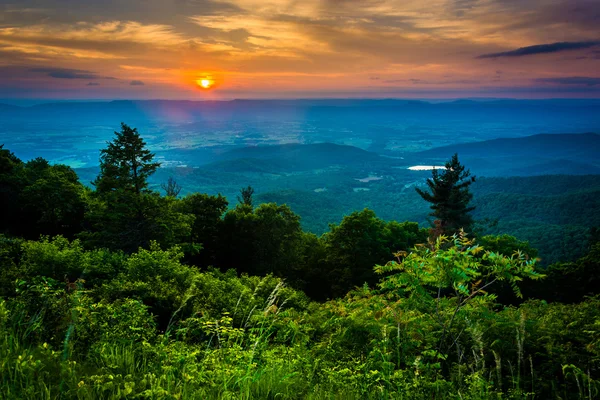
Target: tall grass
column 247, row 362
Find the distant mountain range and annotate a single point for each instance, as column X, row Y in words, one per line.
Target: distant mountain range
column 330, row 109
column 545, row 154
column 551, row 145
column 573, row 154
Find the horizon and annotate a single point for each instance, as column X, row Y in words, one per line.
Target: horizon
column 25, row 102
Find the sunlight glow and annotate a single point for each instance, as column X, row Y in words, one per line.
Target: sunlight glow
column 205, row 83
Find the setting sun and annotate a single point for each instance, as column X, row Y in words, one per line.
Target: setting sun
column 205, row 83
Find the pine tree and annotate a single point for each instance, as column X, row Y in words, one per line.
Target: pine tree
column 246, row 198
column 450, row 197
column 126, row 214
column 125, row 164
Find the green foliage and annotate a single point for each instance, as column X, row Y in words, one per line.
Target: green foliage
column 124, row 321
column 571, row 282
column 360, row 241
column 507, row 244
column 207, row 226
column 262, row 240
column 154, row 277
column 125, row 164
column 124, row 214
column 450, row 196
column 37, row 198
column 125, row 221
column 10, row 253
column 154, row 328
column 126, row 312
column 246, row 196
column 455, row 271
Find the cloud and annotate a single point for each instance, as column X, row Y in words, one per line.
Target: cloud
column 108, row 39
column 287, row 45
column 571, row 80
column 542, row 49
column 416, row 81
column 93, row 84
column 66, row 73
column 136, row 83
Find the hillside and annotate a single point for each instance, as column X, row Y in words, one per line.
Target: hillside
column 553, row 213
column 584, row 145
column 287, row 158
column 575, row 154
column 317, row 153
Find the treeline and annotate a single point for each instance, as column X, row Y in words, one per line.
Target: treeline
column 553, row 213
column 122, row 214
column 132, row 294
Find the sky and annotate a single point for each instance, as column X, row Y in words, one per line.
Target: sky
column 161, row 49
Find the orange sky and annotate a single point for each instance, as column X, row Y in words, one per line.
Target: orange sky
column 299, row 48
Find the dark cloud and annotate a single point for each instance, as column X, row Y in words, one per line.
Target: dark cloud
column 136, row 83
column 461, row 7
column 583, row 14
column 93, row 84
column 571, row 80
column 543, row 48
column 66, row 73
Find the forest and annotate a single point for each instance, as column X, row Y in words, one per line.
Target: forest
column 117, row 290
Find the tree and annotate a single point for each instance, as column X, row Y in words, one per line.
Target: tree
column 450, row 197
column 246, row 196
column 571, row 282
column 260, row 241
column 125, row 164
column 125, row 214
column 171, row 188
column 360, row 241
column 39, row 198
column 208, row 211
column 8, row 160
column 11, row 184
column 52, row 202
column 124, row 222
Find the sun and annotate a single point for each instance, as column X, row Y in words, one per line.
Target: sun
column 205, row 83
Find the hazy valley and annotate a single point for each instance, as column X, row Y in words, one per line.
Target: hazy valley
column 327, row 158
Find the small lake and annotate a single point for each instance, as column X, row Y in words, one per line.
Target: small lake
column 425, row 167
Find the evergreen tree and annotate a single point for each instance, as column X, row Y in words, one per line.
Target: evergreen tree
column 125, row 164
column 246, row 198
column 450, row 197
column 126, row 214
